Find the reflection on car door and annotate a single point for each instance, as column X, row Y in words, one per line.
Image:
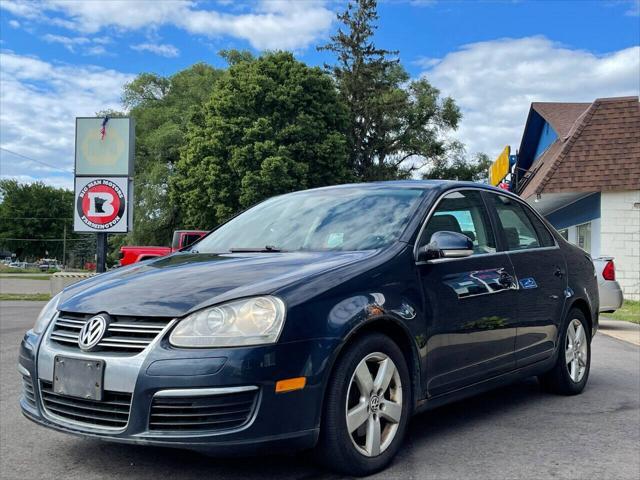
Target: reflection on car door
column 470, row 302
column 541, row 271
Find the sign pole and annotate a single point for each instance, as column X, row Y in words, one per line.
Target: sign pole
column 101, row 259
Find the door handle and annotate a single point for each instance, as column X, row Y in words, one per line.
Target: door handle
column 559, row 272
column 506, row 280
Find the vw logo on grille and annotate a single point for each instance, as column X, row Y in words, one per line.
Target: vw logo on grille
column 92, row 332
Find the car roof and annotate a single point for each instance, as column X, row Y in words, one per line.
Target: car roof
column 437, row 185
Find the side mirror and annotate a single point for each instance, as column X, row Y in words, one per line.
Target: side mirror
column 446, row 245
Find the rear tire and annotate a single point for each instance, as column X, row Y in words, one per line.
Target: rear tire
column 571, row 371
column 367, row 407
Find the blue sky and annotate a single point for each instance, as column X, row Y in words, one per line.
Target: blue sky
column 61, row 59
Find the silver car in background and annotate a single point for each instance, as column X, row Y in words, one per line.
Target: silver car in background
column 611, row 297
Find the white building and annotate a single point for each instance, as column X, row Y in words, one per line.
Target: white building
column 579, row 165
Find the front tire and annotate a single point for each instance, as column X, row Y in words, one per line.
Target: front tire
column 570, row 373
column 367, row 407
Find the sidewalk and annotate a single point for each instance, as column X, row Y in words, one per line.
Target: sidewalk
column 627, row 331
column 23, row 285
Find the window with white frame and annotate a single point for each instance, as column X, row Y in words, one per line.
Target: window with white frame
column 583, row 233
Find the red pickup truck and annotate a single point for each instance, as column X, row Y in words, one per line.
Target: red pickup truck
column 181, row 239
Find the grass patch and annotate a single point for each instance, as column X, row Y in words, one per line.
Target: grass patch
column 25, row 271
column 629, row 312
column 33, row 297
column 27, row 277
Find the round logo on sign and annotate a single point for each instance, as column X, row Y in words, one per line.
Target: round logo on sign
column 101, row 204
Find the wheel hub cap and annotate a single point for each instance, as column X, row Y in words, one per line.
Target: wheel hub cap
column 374, row 404
column 576, row 351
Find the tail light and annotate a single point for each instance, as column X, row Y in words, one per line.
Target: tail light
column 609, row 271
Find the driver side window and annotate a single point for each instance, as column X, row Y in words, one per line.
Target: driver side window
column 462, row 212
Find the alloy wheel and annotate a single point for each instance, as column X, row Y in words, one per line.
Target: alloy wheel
column 374, row 404
column 576, row 354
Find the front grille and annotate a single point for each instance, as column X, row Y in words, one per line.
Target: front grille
column 128, row 335
column 111, row 412
column 27, row 391
column 207, row 413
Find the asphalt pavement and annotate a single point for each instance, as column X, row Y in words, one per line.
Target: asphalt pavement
column 517, row 432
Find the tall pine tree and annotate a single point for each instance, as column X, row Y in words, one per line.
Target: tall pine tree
column 395, row 125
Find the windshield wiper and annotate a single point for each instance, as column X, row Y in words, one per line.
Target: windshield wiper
column 265, row 249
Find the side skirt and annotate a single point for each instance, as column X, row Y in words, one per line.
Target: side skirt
column 486, row 385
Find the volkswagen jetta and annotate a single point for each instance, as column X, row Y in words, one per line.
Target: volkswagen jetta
column 323, row 318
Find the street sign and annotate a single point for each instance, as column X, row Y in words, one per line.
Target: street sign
column 500, row 168
column 102, row 204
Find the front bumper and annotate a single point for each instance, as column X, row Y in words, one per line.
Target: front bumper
column 288, row 420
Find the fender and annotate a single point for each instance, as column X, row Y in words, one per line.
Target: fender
column 372, row 317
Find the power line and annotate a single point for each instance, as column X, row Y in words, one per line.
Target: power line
column 36, row 218
column 44, row 239
column 35, row 160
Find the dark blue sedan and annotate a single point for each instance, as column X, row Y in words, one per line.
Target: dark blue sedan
column 325, row 318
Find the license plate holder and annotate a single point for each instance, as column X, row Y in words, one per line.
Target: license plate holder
column 78, row 377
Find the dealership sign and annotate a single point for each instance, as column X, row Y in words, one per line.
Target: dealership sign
column 103, row 175
column 102, row 204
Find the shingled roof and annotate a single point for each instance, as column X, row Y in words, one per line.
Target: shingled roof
column 597, row 149
column 561, row 116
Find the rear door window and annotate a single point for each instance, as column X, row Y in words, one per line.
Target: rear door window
column 518, row 229
column 545, row 237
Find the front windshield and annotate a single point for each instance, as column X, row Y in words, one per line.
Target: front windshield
column 348, row 218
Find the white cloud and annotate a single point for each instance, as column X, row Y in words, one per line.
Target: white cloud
column 96, row 50
column 14, row 23
column 88, row 46
column 634, row 9
column 273, row 24
column 58, row 181
column 166, row 50
column 494, row 83
column 40, row 101
column 68, row 42
column 102, row 40
column 426, row 62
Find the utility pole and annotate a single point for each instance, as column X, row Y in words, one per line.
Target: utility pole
column 64, row 246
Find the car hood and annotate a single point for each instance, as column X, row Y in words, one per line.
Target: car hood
column 175, row 285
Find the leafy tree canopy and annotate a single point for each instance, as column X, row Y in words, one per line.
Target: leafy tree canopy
column 391, row 119
column 36, row 214
column 456, row 165
column 272, row 125
column 162, row 107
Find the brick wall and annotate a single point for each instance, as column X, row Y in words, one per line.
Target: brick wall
column 620, row 237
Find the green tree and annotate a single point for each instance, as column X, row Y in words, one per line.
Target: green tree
column 161, row 107
column 273, row 125
column 456, row 165
column 33, row 219
column 394, row 124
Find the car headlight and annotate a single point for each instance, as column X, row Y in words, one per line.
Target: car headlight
column 249, row 321
column 46, row 314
